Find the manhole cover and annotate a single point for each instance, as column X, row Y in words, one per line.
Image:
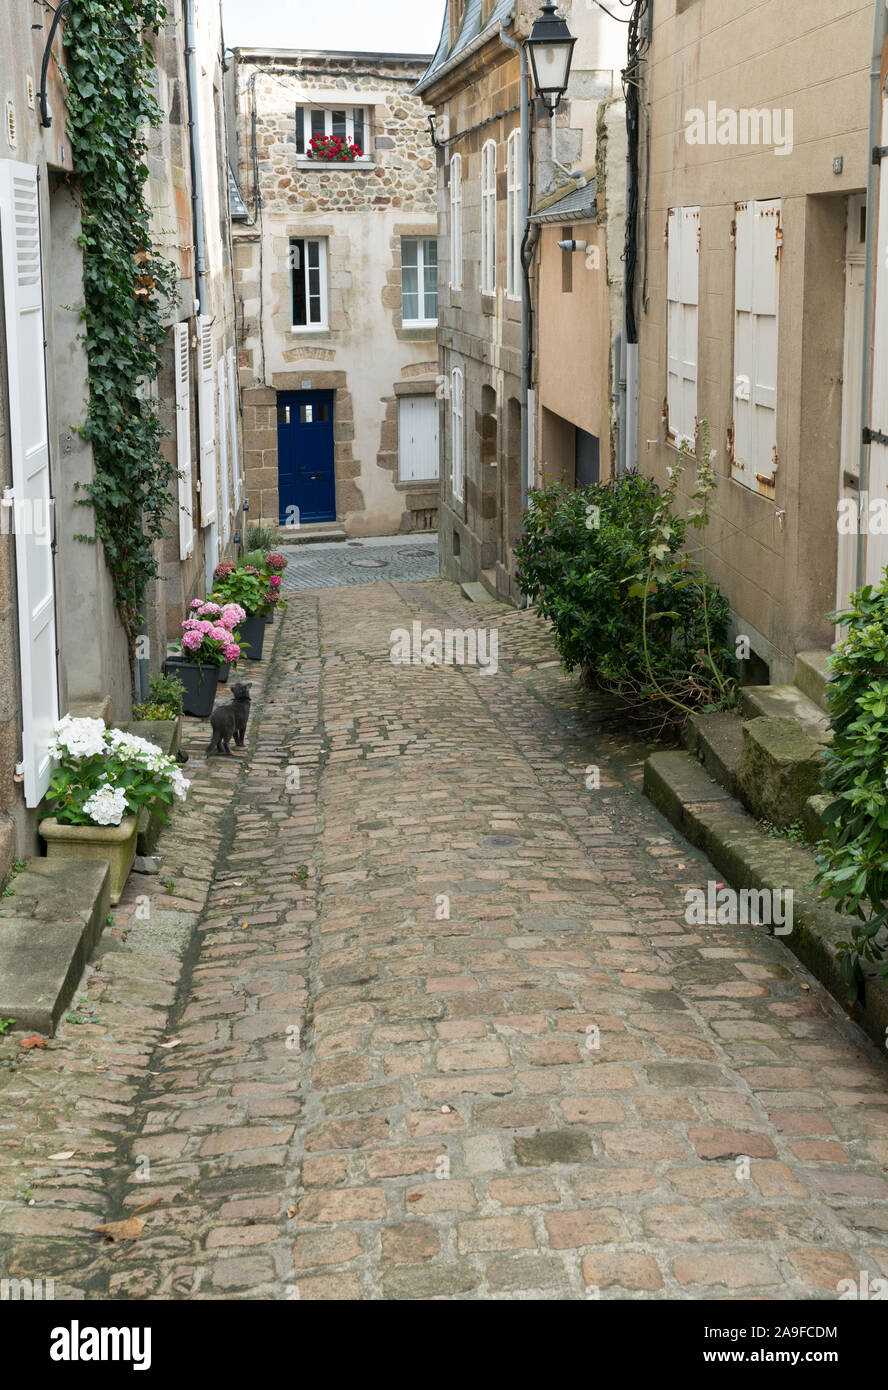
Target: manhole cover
column 367, row 563
column 502, row 840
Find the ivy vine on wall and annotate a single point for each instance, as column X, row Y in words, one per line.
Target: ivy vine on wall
column 128, row 286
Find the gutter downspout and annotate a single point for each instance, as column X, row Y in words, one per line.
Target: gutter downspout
column 526, row 351
column 880, row 35
column 200, row 254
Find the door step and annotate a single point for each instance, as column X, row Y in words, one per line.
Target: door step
column 49, row 926
column 313, row 534
column 786, row 702
column 812, row 675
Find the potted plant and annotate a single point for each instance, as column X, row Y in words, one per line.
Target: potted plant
column 104, row 779
column 209, row 641
column 250, row 587
column 165, row 700
column 333, row 149
column 276, row 563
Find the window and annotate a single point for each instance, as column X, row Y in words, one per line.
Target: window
column 419, row 282
column 308, row 270
column 515, row 227
column 457, row 436
column 488, row 218
column 682, row 298
column 456, row 223
column 417, row 438
column 349, row 124
column 758, row 238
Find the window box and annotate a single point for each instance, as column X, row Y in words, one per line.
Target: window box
column 349, row 124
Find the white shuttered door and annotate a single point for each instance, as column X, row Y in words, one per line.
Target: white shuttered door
column 758, row 240
column 224, row 465
column 207, row 408
column 682, row 300
column 418, row 438
column 183, row 438
column 29, row 440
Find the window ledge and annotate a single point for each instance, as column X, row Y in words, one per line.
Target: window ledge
column 314, row 330
column 418, row 485
column 429, row 324
column 322, row 165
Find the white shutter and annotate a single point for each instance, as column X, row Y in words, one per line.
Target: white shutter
column 182, row 366
column 224, row 465
column 682, row 299
column 207, row 408
column 877, row 544
column 756, row 298
column 232, row 429
column 418, row 438
column 29, row 442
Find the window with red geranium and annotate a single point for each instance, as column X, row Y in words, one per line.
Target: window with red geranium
column 332, row 135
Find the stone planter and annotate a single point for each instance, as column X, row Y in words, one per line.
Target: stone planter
column 200, row 685
column 166, row 734
column 252, row 634
column 116, row 844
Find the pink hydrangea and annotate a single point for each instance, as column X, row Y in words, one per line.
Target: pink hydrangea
column 192, row 640
column 196, row 603
column 223, row 570
column 232, row 614
column 191, row 625
column 276, row 561
column 210, row 610
column 220, row 634
column 275, row 581
column 232, row 652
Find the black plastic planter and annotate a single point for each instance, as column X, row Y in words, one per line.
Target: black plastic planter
column 252, row 635
column 200, row 685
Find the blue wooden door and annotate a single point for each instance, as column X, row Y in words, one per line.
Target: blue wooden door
column 305, row 457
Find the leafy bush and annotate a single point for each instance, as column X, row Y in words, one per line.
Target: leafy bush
column 261, row 538
column 628, row 607
column 165, row 699
column 106, row 774
column 853, row 862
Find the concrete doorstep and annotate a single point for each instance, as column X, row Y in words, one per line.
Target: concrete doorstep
column 732, row 840
column 50, row 921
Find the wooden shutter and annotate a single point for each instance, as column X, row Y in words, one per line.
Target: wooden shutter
column 418, row 438
column 207, row 409
column 224, row 465
column 29, row 443
column 758, row 239
column 232, row 432
column 682, row 300
column 877, row 544
column 182, row 366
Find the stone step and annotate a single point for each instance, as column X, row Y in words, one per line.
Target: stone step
column 50, row 922
column 316, row 533
column 785, row 702
column 779, row 769
column 716, row 741
column 477, row 593
column 811, row 675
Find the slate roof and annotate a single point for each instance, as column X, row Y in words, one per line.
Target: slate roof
column 577, row 204
column 237, row 205
column 501, row 14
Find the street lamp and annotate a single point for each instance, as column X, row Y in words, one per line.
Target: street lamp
column 551, row 47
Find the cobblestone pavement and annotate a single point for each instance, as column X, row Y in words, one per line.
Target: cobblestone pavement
column 335, row 564
column 310, row 1082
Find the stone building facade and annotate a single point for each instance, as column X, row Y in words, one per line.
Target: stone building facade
column 339, row 386
column 473, row 85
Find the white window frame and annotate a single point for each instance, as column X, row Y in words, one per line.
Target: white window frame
column 182, row 361
column 682, row 324
column 322, row 324
column 327, row 111
column 457, row 434
column 456, row 223
column 515, row 229
column 421, row 266
column 758, row 238
column 488, row 218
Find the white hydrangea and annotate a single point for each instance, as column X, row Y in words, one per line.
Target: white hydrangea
column 179, row 783
column 136, row 749
column 107, row 806
column 81, row 738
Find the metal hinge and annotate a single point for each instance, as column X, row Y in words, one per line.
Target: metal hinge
column 874, row 436
column 880, row 152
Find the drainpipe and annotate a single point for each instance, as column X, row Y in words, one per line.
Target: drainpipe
column 880, row 35
column 200, row 255
column 524, row 98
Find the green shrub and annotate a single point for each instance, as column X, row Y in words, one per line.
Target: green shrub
column 165, row 699
column 629, row 608
column 853, row 861
column 261, row 538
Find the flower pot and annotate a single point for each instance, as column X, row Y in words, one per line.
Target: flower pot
column 224, row 671
column 252, row 634
column 269, row 618
column 200, row 684
column 116, row 844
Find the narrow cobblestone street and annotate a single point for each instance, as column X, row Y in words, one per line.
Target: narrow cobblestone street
column 310, row 1082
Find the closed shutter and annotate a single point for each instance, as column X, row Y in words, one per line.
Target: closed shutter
column 418, row 438
column 682, row 300
column 207, row 408
column 233, row 433
column 758, row 239
column 182, row 365
column 224, row 464
column 29, row 443
column 876, row 543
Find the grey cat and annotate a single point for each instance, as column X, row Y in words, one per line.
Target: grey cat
column 231, row 721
